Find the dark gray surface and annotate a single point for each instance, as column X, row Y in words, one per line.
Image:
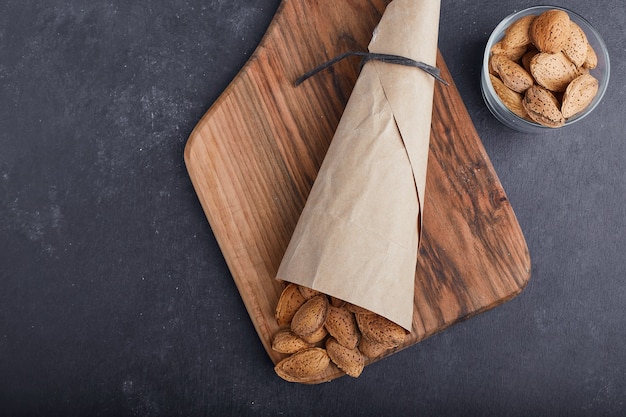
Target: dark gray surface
column 115, row 298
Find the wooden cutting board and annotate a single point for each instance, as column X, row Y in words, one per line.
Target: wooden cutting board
column 254, row 155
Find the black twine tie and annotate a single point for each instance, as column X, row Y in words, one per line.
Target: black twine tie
column 369, row 56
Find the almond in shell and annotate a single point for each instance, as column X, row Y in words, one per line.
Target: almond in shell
column 527, row 57
column 543, row 107
column 575, row 48
column 549, row 31
column 512, row 74
column 341, row 325
column 316, row 336
column 310, row 317
column 578, row 95
column 511, row 99
column 289, row 302
column 380, row 330
column 553, row 71
column 518, row 33
column 285, row 341
column 372, row 350
column 303, row 366
column 512, row 52
column 591, row 60
column 351, row 361
column 307, row 292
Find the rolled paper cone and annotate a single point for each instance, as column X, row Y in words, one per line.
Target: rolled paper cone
column 358, row 235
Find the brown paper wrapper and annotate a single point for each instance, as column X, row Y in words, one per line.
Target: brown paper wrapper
column 358, row 235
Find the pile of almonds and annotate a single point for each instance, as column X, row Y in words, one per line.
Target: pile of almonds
column 318, row 331
column 540, row 68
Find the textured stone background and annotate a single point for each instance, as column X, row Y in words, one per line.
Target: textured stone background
column 114, row 296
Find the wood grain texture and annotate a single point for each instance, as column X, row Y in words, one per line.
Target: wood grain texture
column 255, row 154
